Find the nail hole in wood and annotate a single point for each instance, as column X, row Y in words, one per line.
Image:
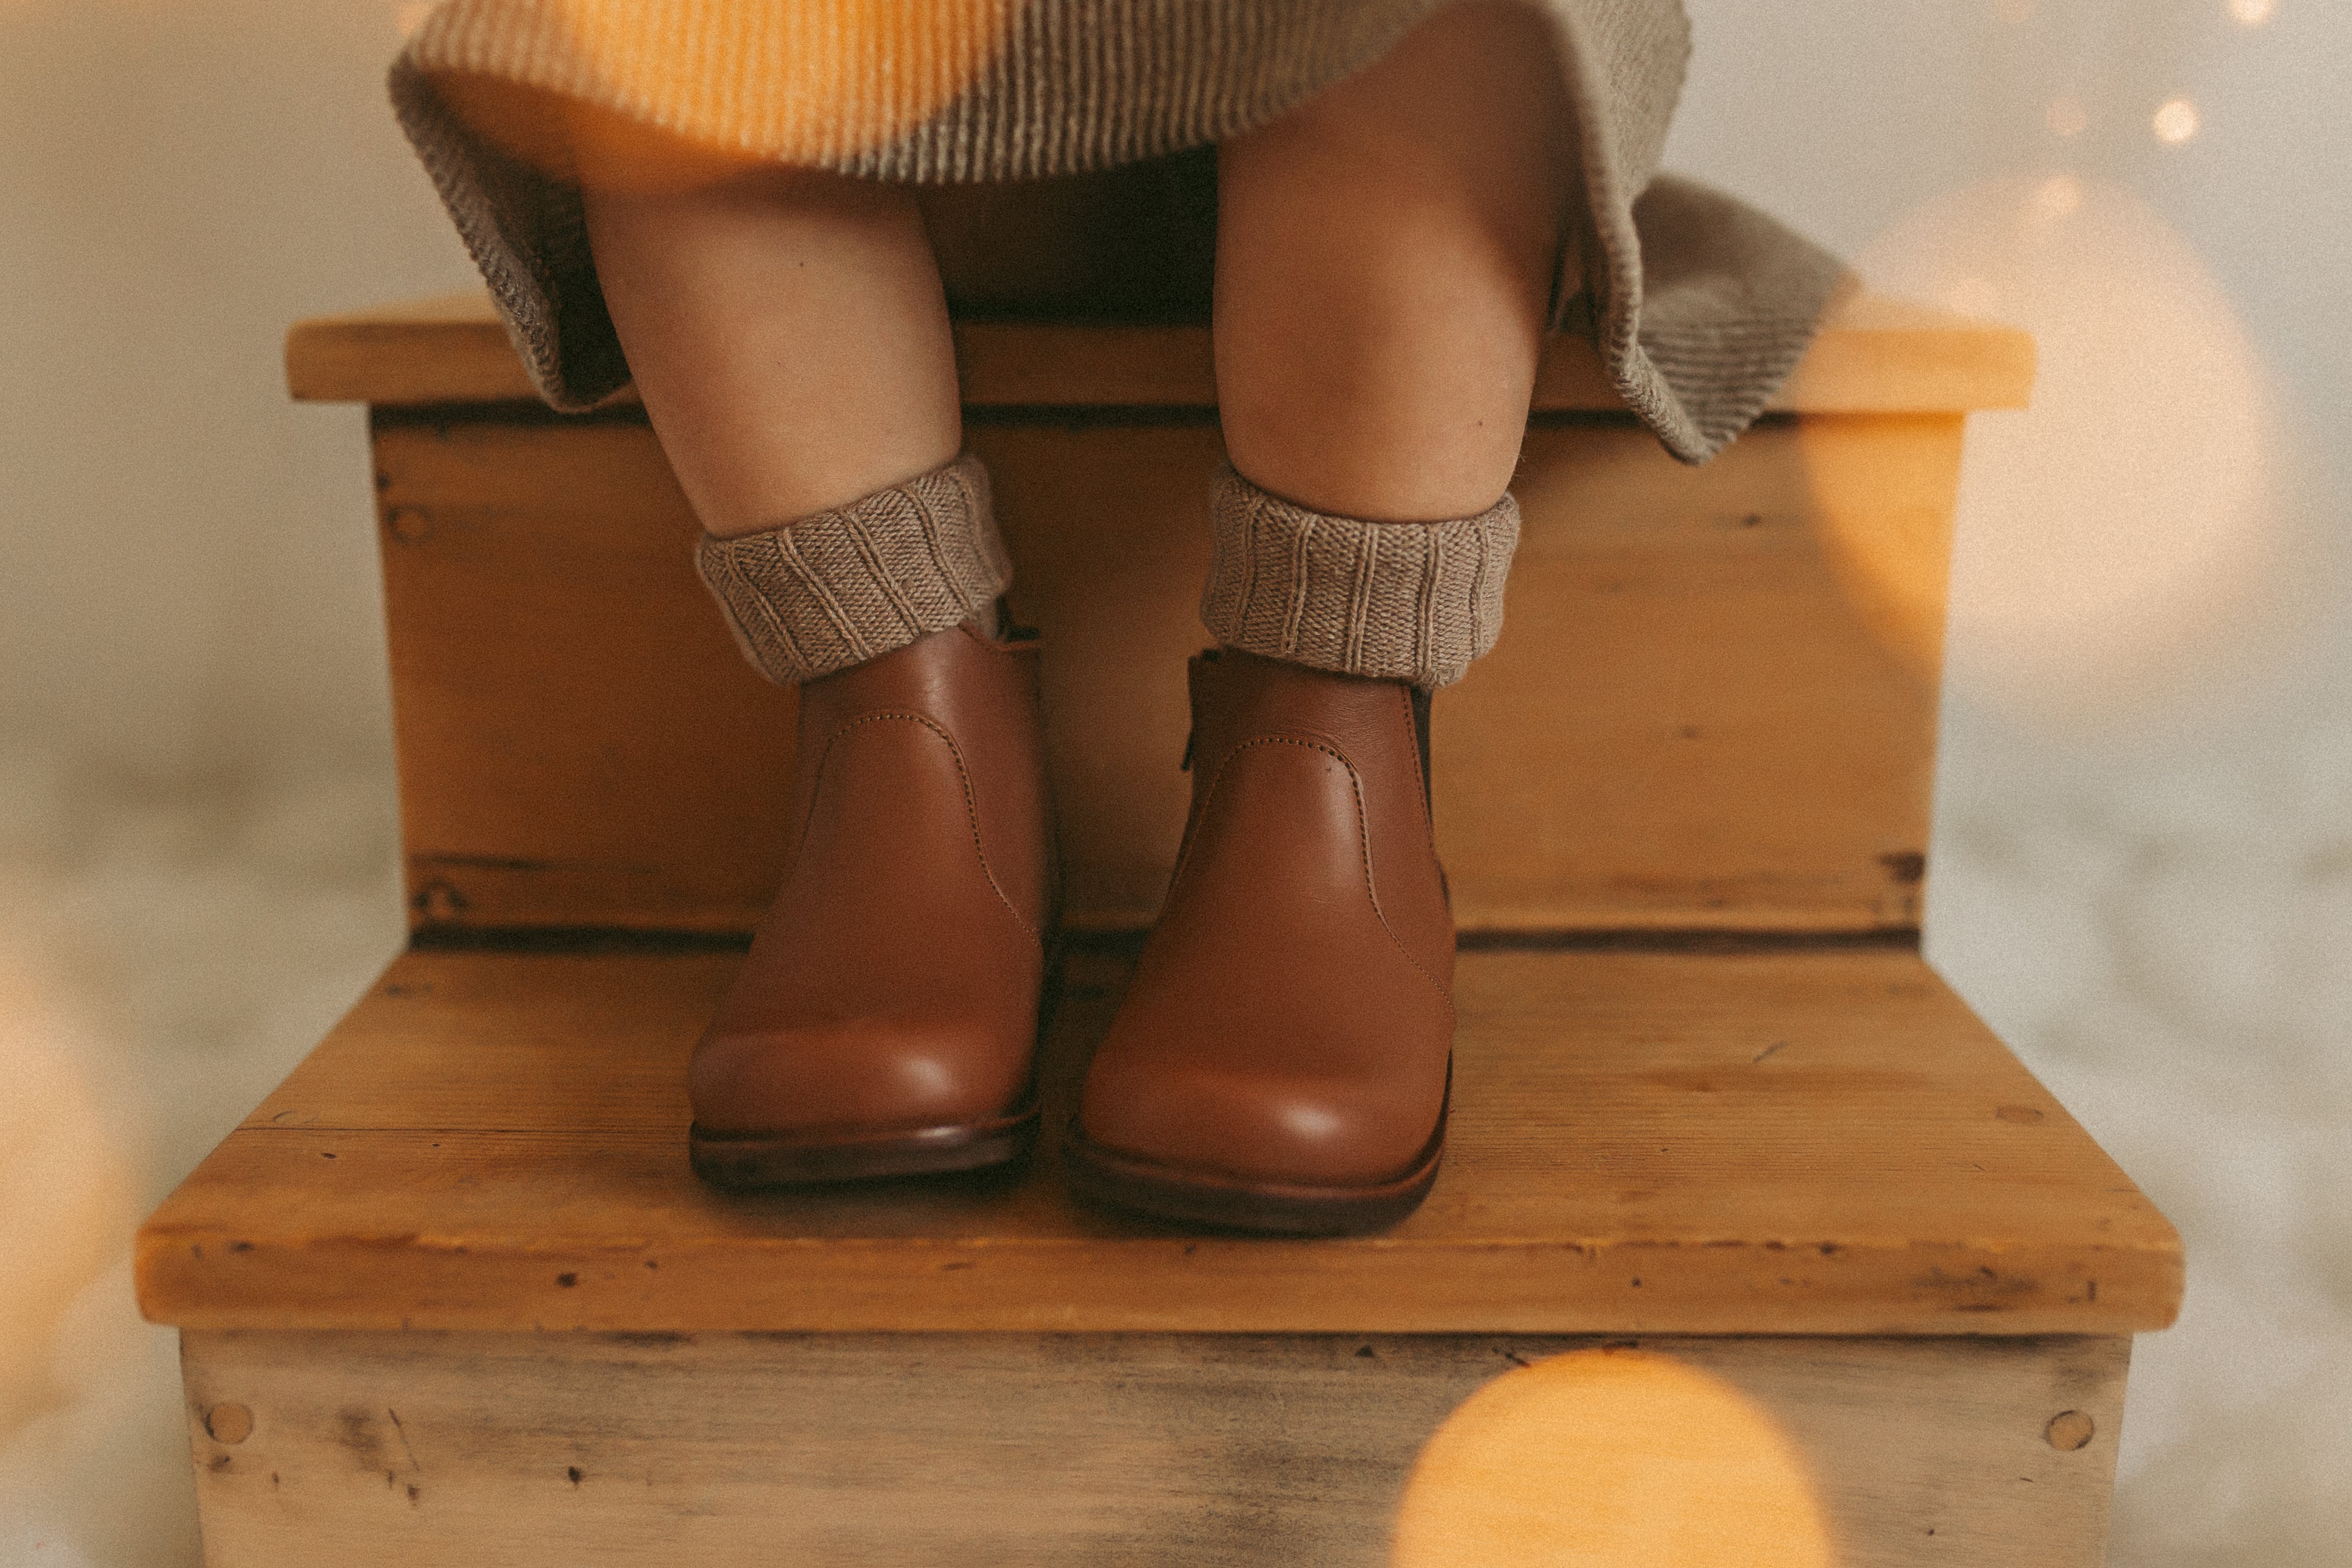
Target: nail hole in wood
column 2069, row 1430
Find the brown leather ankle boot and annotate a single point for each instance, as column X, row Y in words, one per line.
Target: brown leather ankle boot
column 1281, row 1061
column 886, row 1021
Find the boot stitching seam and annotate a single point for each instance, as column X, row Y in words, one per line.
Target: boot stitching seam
column 1428, row 821
column 1363, row 836
column 963, row 776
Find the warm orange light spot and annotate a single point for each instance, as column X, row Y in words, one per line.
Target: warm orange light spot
column 1610, row 1460
column 1883, row 511
column 2174, row 122
column 813, row 82
column 2115, row 536
column 1973, row 297
column 2251, row 13
column 65, row 1184
column 2059, row 196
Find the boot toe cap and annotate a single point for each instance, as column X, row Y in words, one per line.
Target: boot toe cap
column 1281, row 1130
column 853, row 1078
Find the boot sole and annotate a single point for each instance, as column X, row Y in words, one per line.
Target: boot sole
column 753, row 1162
column 1224, row 1202
column 748, row 1162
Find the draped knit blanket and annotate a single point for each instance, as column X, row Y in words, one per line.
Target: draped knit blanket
column 1699, row 305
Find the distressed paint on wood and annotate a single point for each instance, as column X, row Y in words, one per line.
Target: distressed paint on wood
column 524, row 1450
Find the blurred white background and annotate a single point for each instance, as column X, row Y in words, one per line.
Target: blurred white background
column 2143, row 856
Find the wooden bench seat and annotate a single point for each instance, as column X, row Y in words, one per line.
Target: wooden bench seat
column 1814, row 1142
column 1722, row 1141
column 1877, row 356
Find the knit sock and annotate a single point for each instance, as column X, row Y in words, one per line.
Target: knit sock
column 836, row 588
column 1409, row 601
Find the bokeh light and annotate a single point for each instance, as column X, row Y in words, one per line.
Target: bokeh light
column 2058, row 196
column 2175, row 121
column 1609, row 1459
column 808, row 82
column 2251, row 13
column 66, row 1188
column 2129, row 522
column 1973, row 297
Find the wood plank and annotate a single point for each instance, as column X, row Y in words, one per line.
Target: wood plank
column 1874, row 355
column 1702, row 713
column 1713, row 706
column 1811, row 1142
column 1877, row 355
column 521, row 1449
column 579, row 742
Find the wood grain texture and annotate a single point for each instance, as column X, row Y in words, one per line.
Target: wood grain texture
column 579, row 742
column 524, row 1450
column 1874, row 356
column 1713, row 706
column 1811, row 1142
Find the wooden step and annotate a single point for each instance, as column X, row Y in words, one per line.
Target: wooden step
column 1782, row 1143
column 387, row 1450
column 1709, row 1223
column 1713, row 707
column 1752, row 1244
column 1875, row 356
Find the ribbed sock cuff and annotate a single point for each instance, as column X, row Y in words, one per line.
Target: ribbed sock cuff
column 836, row 588
column 1411, row 601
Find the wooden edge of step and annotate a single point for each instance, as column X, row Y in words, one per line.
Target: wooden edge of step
column 1886, row 1168
column 1874, row 355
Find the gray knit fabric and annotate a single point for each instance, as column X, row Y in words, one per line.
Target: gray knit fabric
column 839, row 588
column 1409, row 601
column 1699, row 305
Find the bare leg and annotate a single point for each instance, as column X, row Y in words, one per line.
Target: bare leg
column 789, row 335
column 1384, row 262
column 787, row 330
column 1385, row 258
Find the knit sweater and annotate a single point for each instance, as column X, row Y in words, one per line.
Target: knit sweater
column 1699, row 306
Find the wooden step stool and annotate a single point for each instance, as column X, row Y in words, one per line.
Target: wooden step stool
column 451, row 1295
